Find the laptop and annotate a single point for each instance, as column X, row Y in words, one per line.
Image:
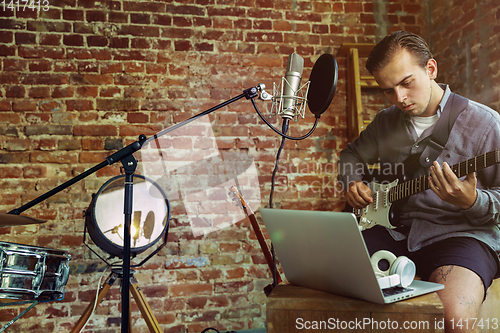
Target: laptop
column 326, row 251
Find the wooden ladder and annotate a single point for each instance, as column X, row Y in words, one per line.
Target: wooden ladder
column 355, row 82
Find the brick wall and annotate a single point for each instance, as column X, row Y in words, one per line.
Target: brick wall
column 86, row 77
column 467, row 47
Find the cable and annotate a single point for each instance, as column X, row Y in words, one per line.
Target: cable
column 280, row 133
column 284, row 129
column 96, row 298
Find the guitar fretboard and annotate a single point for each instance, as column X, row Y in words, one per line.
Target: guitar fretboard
column 461, row 169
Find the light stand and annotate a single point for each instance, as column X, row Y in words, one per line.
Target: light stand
column 125, row 156
column 136, row 292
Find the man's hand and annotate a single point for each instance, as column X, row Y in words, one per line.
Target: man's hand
column 358, row 195
column 449, row 188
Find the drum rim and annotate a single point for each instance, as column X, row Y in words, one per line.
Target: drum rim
column 117, row 249
column 35, row 247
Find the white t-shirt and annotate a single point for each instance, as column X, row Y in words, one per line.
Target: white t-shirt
column 422, row 123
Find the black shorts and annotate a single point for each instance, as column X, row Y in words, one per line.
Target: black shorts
column 460, row 251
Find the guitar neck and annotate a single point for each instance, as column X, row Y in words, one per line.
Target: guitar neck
column 461, row 169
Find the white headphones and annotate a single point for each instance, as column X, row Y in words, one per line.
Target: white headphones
column 401, row 270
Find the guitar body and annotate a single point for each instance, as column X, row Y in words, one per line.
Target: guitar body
column 384, row 211
column 379, row 211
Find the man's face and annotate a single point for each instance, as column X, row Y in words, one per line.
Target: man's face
column 408, row 85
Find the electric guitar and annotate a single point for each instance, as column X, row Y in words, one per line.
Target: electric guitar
column 379, row 212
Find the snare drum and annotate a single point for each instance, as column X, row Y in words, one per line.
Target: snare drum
column 28, row 272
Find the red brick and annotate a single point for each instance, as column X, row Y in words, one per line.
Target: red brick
column 135, row 130
column 92, row 144
column 79, row 105
column 78, row 53
column 137, row 117
column 40, row 66
column 65, row 66
column 140, row 18
column 73, row 40
column 6, row 37
column 50, row 14
column 9, row 118
column 119, row 43
column 207, row 22
column 87, row 91
column 6, row 51
column 36, row 118
column 51, row 106
column 228, row 11
column 50, row 39
column 134, row 55
column 207, row 47
column 91, row 79
column 139, row 30
column 11, row 172
column 264, row 37
column 140, row 43
column 110, row 92
column 48, row 129
column 14, row 65
column 101, row 54
column 54, row 157
column 111, row 68
column 61, row 92
column 5, row 105
column 95, row 16
column 133, row 67
column 117, row 105
column 39, row 92
column 25, row 38
column 15, row 91
column 73, row 15
column 182, row 290
column 88, row 67
column 16, row 158
column 18, row 145
column 49, row 26
column 95, row 130
column 23, row 105
column 45, row 79
column 71, row 240
column 47, row 144
column 154, row 7
column 117, row 17
column 156, row 69
column 99, row 41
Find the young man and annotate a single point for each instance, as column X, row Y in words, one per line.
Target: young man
column 451, row 230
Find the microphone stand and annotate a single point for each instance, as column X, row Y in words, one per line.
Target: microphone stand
column 130, row 164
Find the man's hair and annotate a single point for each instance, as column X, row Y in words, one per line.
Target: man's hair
column 383, row 52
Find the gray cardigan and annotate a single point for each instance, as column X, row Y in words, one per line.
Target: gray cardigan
column 391, row 138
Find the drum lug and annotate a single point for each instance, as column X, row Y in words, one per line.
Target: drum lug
column 63, row 272
column 40, row 270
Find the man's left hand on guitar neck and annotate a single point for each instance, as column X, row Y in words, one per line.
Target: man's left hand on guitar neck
column 448, row 187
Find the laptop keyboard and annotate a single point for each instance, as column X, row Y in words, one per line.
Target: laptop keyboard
column 395, row 290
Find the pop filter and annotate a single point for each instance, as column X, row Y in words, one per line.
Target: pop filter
column 323, row 80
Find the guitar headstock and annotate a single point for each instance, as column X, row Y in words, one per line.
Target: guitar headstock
column 237, row 197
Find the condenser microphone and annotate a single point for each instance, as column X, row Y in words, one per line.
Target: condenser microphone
column 291, row 102
column 291, row 86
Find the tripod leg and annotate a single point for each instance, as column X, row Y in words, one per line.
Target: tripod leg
column 143, row 305
column 93, row 305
